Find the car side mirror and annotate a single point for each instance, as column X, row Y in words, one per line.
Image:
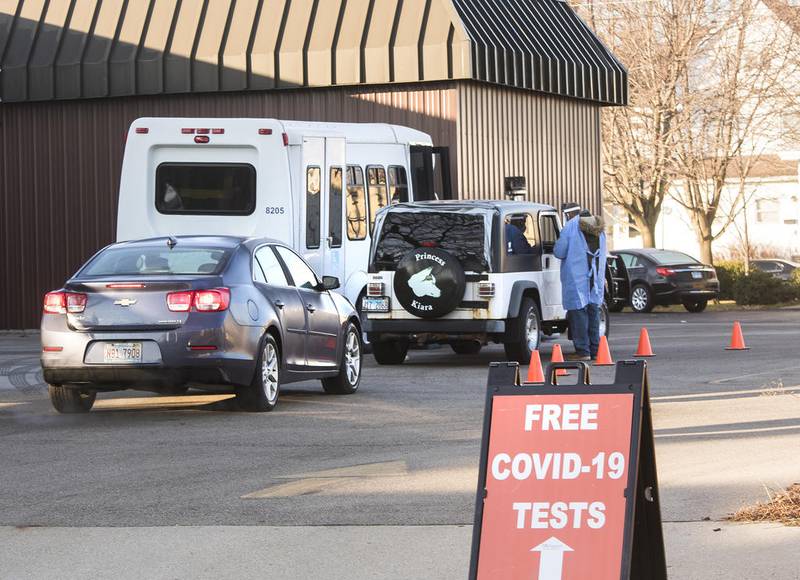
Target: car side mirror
column 329, row 283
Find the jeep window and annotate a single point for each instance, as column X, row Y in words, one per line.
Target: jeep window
column 524, row 223
column 335, row 207
column 548, row 232
column 206, row 188
column 376, row 185
column 398, row 184
column 356, row 204
column 460, row 234
column 312, row 207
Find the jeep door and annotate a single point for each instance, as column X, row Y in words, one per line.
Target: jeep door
column 321, row 314
column 549, row 229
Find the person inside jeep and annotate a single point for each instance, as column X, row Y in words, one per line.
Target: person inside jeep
column 516, row 243
column 581, row 247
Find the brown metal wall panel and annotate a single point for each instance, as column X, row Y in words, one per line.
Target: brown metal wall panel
column 54, row 217
column 553, row 142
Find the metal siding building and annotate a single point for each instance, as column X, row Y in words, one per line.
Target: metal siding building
column 512, row 87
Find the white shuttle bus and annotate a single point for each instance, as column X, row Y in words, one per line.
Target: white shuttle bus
column 314, row 186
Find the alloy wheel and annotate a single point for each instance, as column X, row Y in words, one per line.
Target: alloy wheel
column 639, row 298
column 269, row 372
column 352, row 357
column 532, row 330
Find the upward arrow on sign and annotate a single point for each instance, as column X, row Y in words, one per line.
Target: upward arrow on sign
column 551, row 561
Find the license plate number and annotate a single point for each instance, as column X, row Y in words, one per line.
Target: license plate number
column 697, row 275
column 376, row 304
column 122, row 352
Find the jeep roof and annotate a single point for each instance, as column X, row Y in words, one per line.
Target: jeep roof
column 504, row 206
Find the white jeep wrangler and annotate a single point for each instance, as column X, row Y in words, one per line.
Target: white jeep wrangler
column 455, row 272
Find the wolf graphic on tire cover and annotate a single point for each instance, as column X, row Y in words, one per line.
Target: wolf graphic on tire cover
column 429, row 282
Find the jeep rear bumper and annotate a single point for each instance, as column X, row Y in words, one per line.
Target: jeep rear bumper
column 435, row 326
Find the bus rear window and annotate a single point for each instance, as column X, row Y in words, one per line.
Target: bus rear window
column 206, row 188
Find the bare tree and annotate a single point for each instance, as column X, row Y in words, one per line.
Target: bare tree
column 730, row 91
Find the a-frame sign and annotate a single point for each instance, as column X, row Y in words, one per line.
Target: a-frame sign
column 567, row 487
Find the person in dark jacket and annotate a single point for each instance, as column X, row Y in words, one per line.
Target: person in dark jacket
column 516, row 242
column 581, row 247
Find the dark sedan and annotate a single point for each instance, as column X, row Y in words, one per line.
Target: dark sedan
column 782, row 269
column 212, row 312
column 663, row 277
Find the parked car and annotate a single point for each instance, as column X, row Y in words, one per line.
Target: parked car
column 663, row 277
column 617, row 284
column 457, row 273
column 163, row 314
column 782, row 269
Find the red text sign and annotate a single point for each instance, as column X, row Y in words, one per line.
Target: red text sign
column 556, row 474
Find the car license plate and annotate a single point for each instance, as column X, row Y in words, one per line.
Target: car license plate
column 122, row 352
column 697, row 275
column 372, row 304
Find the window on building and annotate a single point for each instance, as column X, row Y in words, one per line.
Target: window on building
column 312, row 207
column 398, row 184
column 376, row 186
column 768, row 210
column 206, row 188
column 356, row 204
column 335, row 207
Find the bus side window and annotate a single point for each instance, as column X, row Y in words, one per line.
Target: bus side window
column 335, row 207
column 312, row 207
column 376, row 186
column 398, row 184
column 356, row 204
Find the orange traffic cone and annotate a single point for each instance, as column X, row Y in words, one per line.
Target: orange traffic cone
column 737, row 339
column 644, row 348
column 603, row 354
column 558, row 357
column 535, row 374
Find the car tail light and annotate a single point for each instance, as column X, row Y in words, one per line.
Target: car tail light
column 125, row 285
column 486, row 289
column 52, row 348
column 187, row 131
column 217, row 131
column 55, row 303
column 180, row 301
column 285, row 139
column 265, row 131
column 201, row 139
column 212, row 300
column 202, row 347
column 375, row 289
column 666, row 272
column 142, row 130
column 63, row 302
column 76, row 302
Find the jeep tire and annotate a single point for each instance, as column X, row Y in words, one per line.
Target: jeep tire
column 429, row 282
column 389, row 352
column 524, row 333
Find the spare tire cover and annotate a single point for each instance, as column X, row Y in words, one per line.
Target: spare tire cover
column 429, row 283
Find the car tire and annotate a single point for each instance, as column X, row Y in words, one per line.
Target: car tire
column 389, row 352
column 695, row 305
column 262, row 394
column 525, row 332
column 349, row 377
column 466, row 347
column 642, row 299
column 70, row 400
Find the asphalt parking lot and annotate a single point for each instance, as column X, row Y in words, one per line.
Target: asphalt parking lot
column 401, row 452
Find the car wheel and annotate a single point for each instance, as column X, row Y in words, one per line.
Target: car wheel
column 70, row 400
column 466, row 347
column 641, row 298
column 389, row 352
column 605, row 320
column 262, row 394
column 349, row 377
column 525, row 332
column 695, row 305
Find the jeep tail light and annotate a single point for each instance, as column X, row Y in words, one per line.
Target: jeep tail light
column 63, row 302
column 486, row 289
column 375, row 289
column 180, row 301
column 666, row 272
column 212, row 300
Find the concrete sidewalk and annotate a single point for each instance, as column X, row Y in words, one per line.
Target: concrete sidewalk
column 695, row 551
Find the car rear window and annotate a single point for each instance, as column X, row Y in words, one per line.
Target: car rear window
column 460, row 234
column 206, row 188
column 668, row 258
column 150, row 261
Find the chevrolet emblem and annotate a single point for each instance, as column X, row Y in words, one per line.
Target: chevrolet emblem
column 125, row 302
